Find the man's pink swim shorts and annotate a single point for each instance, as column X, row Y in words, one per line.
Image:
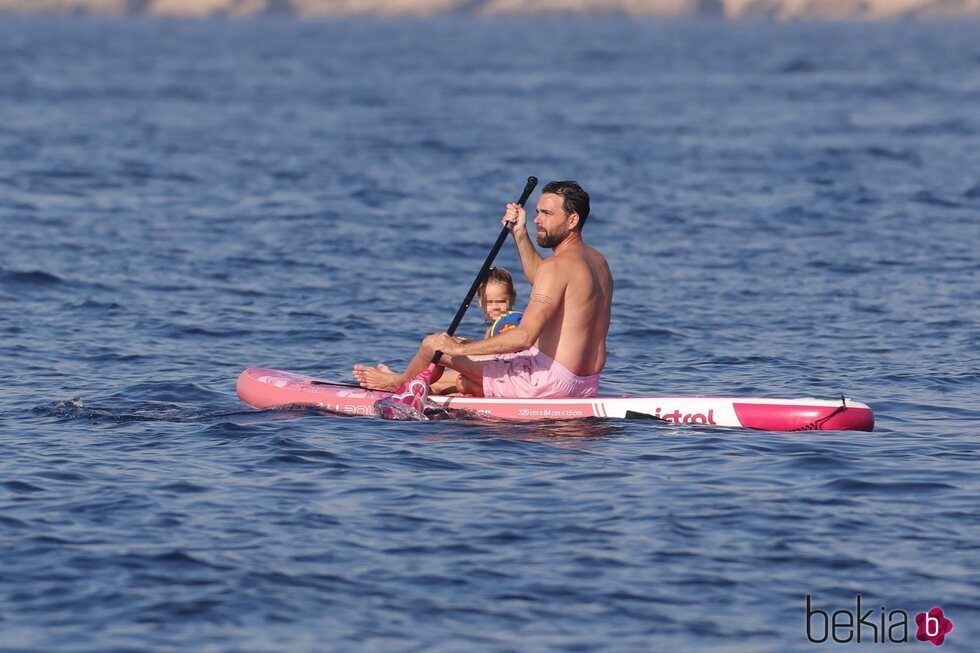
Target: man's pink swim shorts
column 529, row 374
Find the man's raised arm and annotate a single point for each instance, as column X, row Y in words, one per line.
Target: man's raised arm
column 516, row 218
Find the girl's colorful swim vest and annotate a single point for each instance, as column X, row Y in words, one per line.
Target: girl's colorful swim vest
column 506, row 322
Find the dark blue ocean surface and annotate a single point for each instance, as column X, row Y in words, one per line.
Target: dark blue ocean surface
column 789, row 210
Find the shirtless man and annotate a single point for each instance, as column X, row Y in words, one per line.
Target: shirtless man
column 559, row 348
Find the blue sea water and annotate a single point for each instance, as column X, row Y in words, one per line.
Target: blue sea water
column 788, row 209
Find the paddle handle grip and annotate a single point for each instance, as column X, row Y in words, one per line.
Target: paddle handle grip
column 532, row 182
column 485, row 270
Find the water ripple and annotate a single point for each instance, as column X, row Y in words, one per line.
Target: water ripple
column 198, row 197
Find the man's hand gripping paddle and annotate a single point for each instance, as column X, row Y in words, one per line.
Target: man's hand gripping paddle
column 414, row 392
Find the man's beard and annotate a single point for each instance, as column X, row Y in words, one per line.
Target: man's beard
column 552, row 238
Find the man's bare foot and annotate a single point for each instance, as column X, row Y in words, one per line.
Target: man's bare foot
column 377, row 378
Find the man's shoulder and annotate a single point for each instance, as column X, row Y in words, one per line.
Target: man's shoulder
column 584, row 255
column 551, row 266
column 574, row 267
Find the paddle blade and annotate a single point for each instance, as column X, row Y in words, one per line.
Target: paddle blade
column 395, row 410
column 408, row 402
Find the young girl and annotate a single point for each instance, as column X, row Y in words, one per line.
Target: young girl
column 496, row 296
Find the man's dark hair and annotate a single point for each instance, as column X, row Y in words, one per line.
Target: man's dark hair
column 574, row 199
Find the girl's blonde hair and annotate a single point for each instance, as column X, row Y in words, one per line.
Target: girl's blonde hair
column 501, row 276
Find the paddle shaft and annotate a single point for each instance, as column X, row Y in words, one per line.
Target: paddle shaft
column 485, row 270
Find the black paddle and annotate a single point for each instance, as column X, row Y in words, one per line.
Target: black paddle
column 485, row 270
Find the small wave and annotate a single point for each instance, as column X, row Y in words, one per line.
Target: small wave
column 68, row 477
column 179, row 331
column 183, row 487
column 21, row 487
column 604, row 57
column 654, row 332
column 135, row 411
column 94, row 304
column 32, row 278
column 174, row 558
column 155, row 392
column 841, row 267
column 852, row 485
column 896, row 155
column 818, row 461
column 11, row 522
column 63, row 173
column 606, row 128
column 59, row 408
column 15, row 205
column 950, row 127
column 797, row 66
column 425, row 463
column 226, row 429
column 442, row 146
column 926, row 197
column 75, row 409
